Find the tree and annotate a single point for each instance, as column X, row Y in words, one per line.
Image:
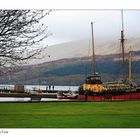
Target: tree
column 21, row 32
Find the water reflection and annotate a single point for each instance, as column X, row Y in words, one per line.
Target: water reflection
column 13, row 99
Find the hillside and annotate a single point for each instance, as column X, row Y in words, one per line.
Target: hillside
column 83, row 48
column 71, row 71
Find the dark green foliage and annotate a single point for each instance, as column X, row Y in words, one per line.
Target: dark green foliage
column 67, row 70
column 102, row 67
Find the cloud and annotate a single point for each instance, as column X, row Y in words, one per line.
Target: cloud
column 69, row 25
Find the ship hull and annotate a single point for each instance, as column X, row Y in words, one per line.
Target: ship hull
column 110, row 97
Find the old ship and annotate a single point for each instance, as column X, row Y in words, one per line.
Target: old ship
column 95, row 90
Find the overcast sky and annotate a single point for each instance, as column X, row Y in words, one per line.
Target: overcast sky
column 70, row 25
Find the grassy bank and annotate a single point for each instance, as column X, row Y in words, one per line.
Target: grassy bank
column 70, row 115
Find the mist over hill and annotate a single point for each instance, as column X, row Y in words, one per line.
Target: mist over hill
column 83, row 48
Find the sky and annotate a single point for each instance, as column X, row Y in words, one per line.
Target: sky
column 71, row 25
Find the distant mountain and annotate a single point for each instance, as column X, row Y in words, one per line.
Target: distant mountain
column 72, row 71
column 83, row 48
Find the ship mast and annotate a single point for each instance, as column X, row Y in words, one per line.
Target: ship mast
column 130, row 66
column 122, row 47
column 94, row 62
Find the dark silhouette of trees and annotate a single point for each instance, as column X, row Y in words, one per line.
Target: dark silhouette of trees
column 21, row 33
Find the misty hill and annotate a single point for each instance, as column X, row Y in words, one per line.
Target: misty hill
column 83, row 48
column 72, row 71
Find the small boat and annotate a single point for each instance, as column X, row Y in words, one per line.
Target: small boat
column 68, row 95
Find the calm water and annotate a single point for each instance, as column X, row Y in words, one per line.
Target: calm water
column 12, row 99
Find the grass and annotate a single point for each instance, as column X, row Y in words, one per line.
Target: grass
column 70, row 115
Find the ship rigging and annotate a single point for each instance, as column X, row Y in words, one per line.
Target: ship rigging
column 93, row 89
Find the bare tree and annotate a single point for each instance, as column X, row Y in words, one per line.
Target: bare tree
column 21, row 32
